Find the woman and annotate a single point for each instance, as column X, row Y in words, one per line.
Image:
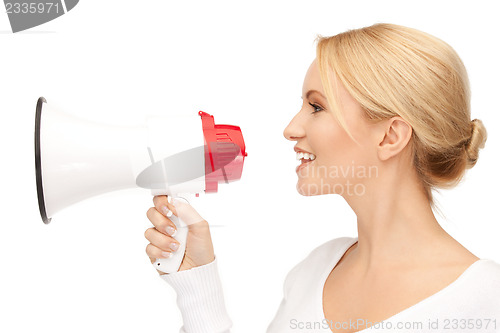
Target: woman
column 385, row 119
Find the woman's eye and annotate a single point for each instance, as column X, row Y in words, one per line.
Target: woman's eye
column 316, row 108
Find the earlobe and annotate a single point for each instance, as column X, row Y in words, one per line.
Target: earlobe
column 395, row 137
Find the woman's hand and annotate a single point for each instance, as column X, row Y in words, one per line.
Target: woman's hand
column 199, row 247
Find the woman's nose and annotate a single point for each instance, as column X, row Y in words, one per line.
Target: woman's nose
column 294, row 130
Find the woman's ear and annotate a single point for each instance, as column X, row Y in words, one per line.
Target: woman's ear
column 395, row 135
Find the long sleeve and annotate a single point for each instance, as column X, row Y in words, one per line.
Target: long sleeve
column 200, row 299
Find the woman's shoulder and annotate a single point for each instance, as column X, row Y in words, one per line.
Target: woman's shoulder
column 332, row 248
column 319, row 258
column 488, row 275
column 479, row 285
column 485, row 272
column 328, row 251
column 486, row 285
column 474, row 294
column 490, row 265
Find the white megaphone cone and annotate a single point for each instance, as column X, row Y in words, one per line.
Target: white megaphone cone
column 76, row 159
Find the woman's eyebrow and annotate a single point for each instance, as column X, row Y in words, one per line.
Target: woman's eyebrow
column 314, row 91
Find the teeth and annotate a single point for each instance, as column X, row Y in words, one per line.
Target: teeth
column 305, row 156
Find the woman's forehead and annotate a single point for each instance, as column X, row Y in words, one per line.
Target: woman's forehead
column 312, row 80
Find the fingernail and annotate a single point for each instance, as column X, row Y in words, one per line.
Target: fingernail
column 165, row 210
column 166, row 254
column 171, row 231
column 174, row 246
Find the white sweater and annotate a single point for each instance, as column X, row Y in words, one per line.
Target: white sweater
column 469, row 304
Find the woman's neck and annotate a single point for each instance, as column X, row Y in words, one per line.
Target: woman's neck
column 396, row 225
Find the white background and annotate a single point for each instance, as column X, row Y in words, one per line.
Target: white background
column 244, row 62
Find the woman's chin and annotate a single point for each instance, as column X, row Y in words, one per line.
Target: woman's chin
column 307, row 189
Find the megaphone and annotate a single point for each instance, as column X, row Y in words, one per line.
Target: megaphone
column 178, row 156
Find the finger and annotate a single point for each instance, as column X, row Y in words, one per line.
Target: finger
column 161, row 241
column 161, row 223
column 161, row 203
column 154, row 253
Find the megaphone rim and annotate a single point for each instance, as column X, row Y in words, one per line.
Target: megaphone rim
column 38, row 161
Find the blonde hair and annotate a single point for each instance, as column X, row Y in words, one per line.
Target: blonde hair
column 393, row 70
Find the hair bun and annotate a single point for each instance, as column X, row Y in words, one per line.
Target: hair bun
column 476, row 142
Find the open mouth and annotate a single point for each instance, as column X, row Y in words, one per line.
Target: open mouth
column 305, row 157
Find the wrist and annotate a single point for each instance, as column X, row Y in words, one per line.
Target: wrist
column 188, row 264
column 200, row 298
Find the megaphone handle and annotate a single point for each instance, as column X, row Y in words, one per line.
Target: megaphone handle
column 172, row 264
